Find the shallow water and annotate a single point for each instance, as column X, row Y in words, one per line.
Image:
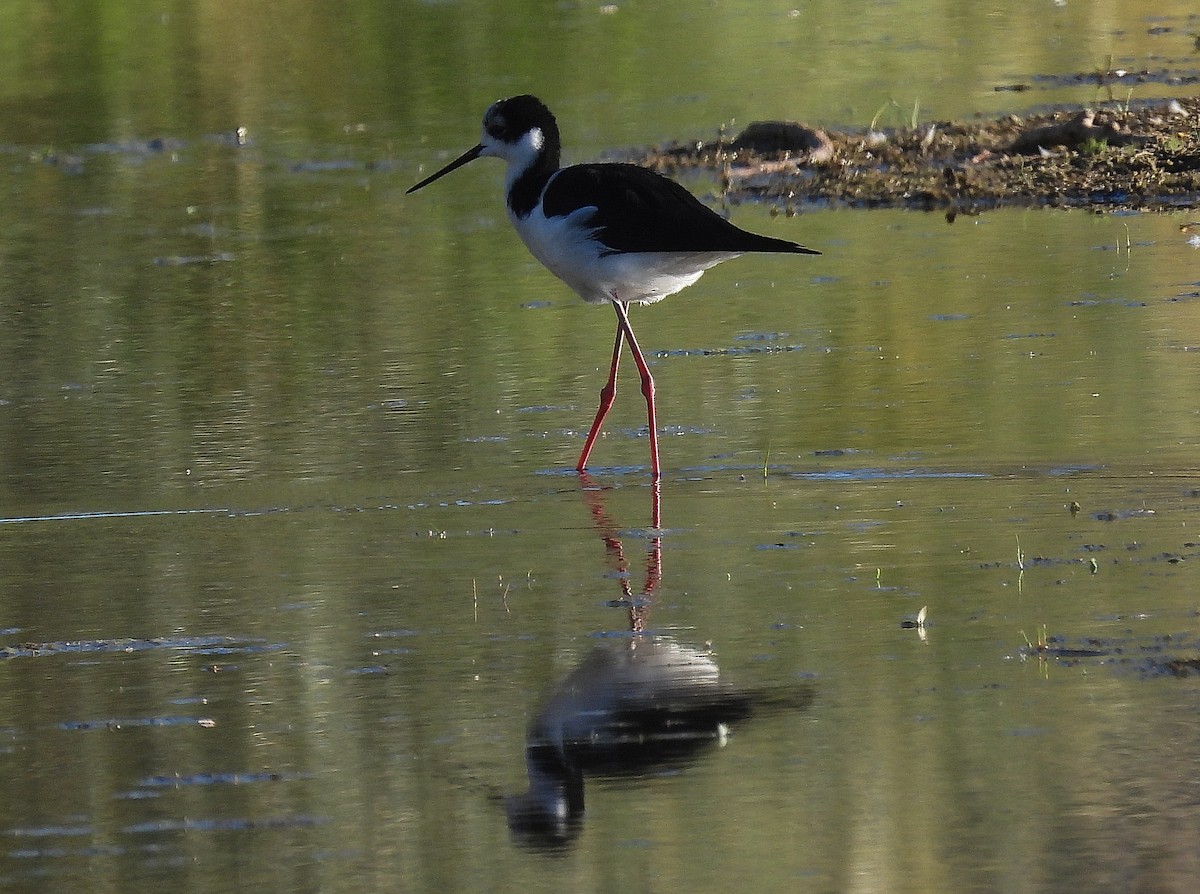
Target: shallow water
column 292, row 558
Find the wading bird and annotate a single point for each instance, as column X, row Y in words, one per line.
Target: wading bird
column 615, row 233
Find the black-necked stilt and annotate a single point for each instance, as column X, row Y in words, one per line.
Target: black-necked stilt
column 614, row 233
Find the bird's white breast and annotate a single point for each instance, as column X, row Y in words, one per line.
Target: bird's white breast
column 565, row 246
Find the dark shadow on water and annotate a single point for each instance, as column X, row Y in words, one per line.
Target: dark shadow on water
column 637, row 707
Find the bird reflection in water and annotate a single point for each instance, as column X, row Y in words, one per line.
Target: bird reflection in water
column 646, row 705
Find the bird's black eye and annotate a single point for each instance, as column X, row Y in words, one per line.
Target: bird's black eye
column 495, row 127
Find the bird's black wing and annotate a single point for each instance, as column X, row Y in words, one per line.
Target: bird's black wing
column 640, row 210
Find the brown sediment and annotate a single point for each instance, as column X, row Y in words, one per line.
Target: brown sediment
column 1119, row 158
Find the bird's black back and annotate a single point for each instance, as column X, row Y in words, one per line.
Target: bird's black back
column 640, row 210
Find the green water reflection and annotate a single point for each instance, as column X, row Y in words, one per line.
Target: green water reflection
column 631, row 73
column 289, row 548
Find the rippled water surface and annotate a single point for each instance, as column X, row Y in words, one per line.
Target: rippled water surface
column 299, row 591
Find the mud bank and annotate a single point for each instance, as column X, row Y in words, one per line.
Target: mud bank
column 1146, row 157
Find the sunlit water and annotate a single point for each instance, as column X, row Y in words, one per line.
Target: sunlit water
column 294, row 571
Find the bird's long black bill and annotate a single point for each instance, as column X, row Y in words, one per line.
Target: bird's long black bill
column 468, row 156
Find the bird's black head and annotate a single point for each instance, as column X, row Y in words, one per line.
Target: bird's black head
column 510, row 119
column 520, row 130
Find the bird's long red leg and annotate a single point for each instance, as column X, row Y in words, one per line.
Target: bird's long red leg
column 607, row 393
column 647, row 380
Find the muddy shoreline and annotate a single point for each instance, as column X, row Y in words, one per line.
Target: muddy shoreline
column 1106, row 159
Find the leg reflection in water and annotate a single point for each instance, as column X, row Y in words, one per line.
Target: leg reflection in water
column 639, row 606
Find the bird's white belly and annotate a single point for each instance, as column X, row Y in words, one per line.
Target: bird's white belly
column 565, row 246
